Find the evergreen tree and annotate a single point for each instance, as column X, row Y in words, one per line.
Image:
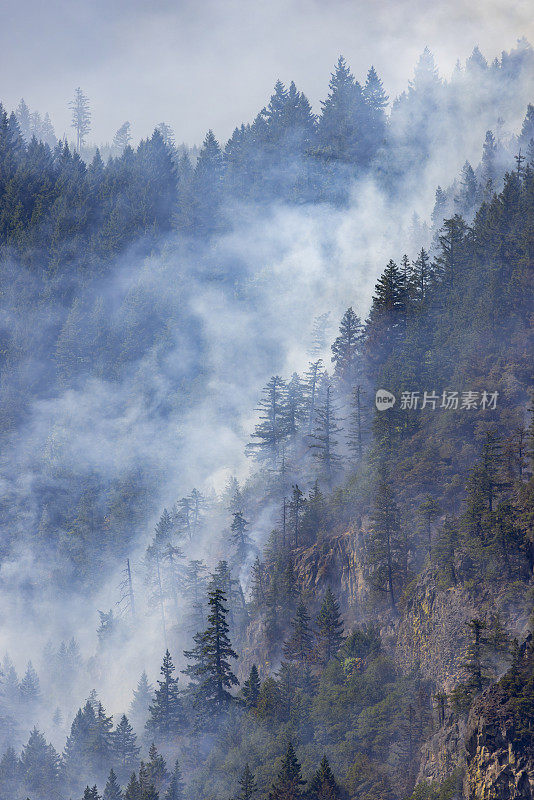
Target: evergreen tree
column 9, row 774
column 429, row 510
column 156, row 768
column 329, row 624
column 323, row 785
column 133, row 790
column 295, row 509
column 91, row 793
column 212, row 668
column 166, row 712
column 140, row 705
column 270, row 432
column 385, row 546
column 240, row 538
column 124, row 747
column 39, row 768
column 346, row 350
column 122, row 138
column 81, row 117
column 251, row 688
column 489, row 166
column 324, row 441
column 288, row 785
column 176, row 788
column 345, row 132
column 29, row 686
column 247, row 785
column 299, row 647
column 112, row 789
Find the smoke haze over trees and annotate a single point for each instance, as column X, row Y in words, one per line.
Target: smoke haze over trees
column 191, row 342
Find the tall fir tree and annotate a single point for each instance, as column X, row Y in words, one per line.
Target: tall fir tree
column 166, row 712
column 329, row 624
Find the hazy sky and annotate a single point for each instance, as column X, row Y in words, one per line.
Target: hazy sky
column 213, row 64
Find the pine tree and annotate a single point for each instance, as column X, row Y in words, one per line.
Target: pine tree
column 323, row 785
column 124, row 746
column 346, row 350
column 39, row 767
column 295, row 510
column 324, row 442
column 112, row 789
column 9, row 774
column 157, row 768
column 468, row 196
column 299, row 647
column 251, row 688
column 29, row 686
column 247, row 785
column 133, row 790
column 270, row 432
column 101, row 742
column 489, row 166
column 329, row 624
column 344, row 129
column 288, row 785
column 166, row 712
column 176, row 788
column 429, row 511
column 212, row 668
column 81, row 117
column 122, row 138
column 385, row 546
column 91, row 793
column 240, row 538
column 140, row 705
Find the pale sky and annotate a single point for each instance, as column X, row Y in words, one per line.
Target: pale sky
column 213, row 64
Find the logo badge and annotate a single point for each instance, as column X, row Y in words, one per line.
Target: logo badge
column 384, row 400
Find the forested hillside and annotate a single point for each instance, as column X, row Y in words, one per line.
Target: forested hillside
column 350, row 617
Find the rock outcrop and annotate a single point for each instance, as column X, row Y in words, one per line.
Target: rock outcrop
column 500, row 736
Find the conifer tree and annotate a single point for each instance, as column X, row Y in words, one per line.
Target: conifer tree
column 156, row 768
column 124, row 746
column 329, row 624
column 133, row 790
column 299, row 647
column 251, row 688
column 39, row 766
column 176, row 788
column 29, row 686
column 429, row 511
column 324, row 442
column 166, row 712
column 211, row 668
column 140, row 705
column 240, row 538
column 323, row 785
column 270, row 432
column 112, row 790
column 81, row 117
column 288, row 785
column 295, row 509
column 122, row 138
column 346, row 350
column 385, row 546
column 247, row 785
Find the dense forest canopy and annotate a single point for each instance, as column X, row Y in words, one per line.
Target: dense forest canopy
column 268, row 548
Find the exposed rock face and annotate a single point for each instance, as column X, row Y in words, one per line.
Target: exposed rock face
column 432, row 633
column 336, row 561
column 444, row 753
column 500, row 737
